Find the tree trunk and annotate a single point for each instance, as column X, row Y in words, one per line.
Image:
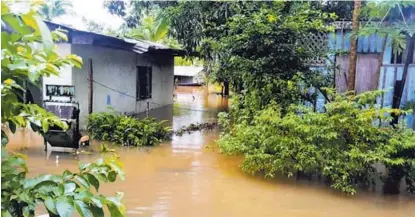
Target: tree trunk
column 226, row 88
column 353, row 48
column 400, row 85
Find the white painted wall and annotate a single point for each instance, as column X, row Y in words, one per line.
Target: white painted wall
column 117, row 70
column 65, row 75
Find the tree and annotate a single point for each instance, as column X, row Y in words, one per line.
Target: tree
column 151, row 27
column 27, row 54
column 55, row 8
column 132, row 11
column 351, row 76
column 252, row 45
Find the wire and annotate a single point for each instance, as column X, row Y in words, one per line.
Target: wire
column 115, row 90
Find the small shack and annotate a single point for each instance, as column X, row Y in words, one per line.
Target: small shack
column 188, row 75
column 127, row 75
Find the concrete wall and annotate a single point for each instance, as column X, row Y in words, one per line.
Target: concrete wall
column 65, row 75
column 162, row 81
column 116, row 69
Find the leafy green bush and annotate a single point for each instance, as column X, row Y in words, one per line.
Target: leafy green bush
column 60, row 194
column 28, row 53
column 125, row 130
column 341, row 144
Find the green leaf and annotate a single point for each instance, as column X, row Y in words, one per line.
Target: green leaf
column 5, row 213
column 19, row 65
column 27, row 212
column 112, row 176
column 92, row 180
column 45, row 187
column 66, row 174
column 83, row 209
column 4, row 9
column 16, row 24
column 75, row 60
column 60, row 34
column 64, row 206
column 45, row 126
column 84, row 195
column 83, row 166
column 115, row 211
column 97, row 211
column 116, row 166
column 69, row 187
column 96, row 201
column 51, row 205
column 82, row 181
column 12, row 127
column 47, row 40
column 5, row 38
column 116, row 208
column 4, row 139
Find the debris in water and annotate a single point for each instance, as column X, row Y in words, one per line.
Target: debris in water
column 195, row 127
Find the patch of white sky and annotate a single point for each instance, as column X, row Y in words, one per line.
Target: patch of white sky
column 93, row 10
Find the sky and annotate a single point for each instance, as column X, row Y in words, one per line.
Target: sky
column 92, row 10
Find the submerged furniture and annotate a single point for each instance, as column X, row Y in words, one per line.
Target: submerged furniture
column 67, row 111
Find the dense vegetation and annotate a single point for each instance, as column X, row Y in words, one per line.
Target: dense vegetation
column 258, row 49
column 28, row 53
column 125, row 130
column 342, row 144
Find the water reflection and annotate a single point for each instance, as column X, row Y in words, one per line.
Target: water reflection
column 187, row 177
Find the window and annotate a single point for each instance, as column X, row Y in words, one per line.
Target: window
column 144, row 78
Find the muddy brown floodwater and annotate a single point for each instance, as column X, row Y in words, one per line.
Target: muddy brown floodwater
column 188, row 177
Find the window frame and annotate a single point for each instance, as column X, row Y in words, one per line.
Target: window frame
column 139, row 82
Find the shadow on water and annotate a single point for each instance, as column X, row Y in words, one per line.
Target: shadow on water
column 187, row 176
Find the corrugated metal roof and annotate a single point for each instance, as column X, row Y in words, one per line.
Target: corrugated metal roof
column 190, row 71
column 137, row 46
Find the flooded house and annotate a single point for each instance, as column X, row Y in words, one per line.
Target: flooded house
column 188, row 75
column 128, row 75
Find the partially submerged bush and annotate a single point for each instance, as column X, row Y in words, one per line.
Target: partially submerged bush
column 62, row 195
column 342, row 144
column 125, row 130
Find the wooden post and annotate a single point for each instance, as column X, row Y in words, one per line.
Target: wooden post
column 148, row 108
column 90, row 86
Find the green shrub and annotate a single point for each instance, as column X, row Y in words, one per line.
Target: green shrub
column 27, row 54
column 341, row 144
column 126, row 131
column 62, row 195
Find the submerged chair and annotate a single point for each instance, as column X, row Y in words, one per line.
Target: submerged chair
column 67, row 111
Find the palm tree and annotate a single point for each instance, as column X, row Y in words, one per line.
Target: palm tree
column 152, row 27
column 55, row 8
